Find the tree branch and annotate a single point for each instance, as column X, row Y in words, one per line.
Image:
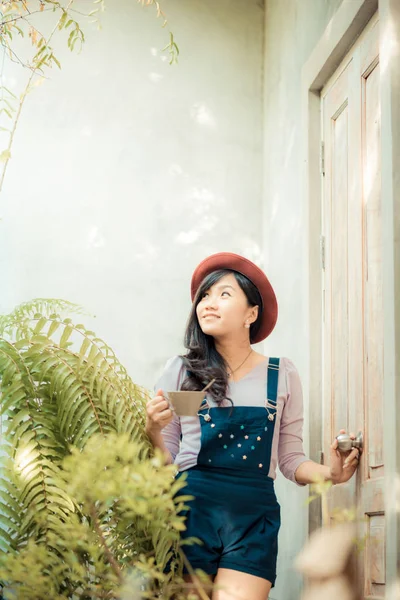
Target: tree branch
column 21, row 103
column 24, row 17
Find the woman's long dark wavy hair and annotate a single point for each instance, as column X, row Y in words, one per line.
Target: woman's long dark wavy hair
column 202, row 361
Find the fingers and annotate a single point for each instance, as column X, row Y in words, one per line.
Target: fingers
column 351, row 436
column 351, row 454
column 343, row 465
column 158, row 410
column 351, row 467
column 156, row 404
column 159, row 398
column 335, row 443
column 335, row 460
column 353, row 459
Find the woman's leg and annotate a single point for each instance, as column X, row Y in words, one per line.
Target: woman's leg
column 193, row 586
column 235, row 585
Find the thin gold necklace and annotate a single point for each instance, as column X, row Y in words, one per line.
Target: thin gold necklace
column 230, row 372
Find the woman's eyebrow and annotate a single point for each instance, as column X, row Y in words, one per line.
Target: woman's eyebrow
column 222, row 286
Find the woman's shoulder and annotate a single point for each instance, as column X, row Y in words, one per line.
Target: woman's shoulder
column 169, row 380
column 288, row 365
column 174, row 363
column 285, row 364
column 288, row 373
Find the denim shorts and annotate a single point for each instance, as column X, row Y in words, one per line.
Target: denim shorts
column 237, row 518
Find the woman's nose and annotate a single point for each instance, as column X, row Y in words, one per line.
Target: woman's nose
column 211, row 303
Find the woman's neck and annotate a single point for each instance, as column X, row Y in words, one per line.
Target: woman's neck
column 233, row 352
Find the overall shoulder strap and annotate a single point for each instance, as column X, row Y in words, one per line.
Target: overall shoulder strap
column 272, row 380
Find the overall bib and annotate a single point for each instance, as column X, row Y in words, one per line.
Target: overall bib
column 235, row 512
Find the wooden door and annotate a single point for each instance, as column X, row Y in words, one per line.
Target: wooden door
column 352, row 315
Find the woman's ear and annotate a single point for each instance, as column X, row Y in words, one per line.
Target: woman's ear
column 252, row 318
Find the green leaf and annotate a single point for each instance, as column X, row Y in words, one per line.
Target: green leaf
column 42, row 48
column 41, row 323
column 8, row 374
column 62, row 20
column 65, row 336
column 54, row 59
column 6, row 154
column 41, row 340
column 21, row 417
column 6, row 89
column 72, row 404
column 19, row 431
column 9, row 503
column 6, row 522
column 22, row 343
column 54, row 325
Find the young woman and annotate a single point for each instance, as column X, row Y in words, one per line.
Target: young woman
column 250, row 421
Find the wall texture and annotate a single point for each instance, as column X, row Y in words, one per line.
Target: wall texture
column 134, row 170
column 126, row 171
column 292, row 28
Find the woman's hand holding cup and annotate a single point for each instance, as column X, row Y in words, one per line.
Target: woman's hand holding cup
column 158, row 414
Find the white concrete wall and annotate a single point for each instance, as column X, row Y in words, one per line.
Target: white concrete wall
column 126, row 171
column 292, row 28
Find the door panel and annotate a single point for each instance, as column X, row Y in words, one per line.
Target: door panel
column 353, row 309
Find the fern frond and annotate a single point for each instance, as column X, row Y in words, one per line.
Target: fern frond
column 63, row 390
column 30, row 446
column 17, row 322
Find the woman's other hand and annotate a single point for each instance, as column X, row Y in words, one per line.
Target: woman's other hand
column 343, row 464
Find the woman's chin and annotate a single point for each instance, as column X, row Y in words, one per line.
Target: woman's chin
column 209, row 329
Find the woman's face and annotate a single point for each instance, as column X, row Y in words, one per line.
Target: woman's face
column 224, row 310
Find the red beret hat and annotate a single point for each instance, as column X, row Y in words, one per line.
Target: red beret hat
column 235, row 262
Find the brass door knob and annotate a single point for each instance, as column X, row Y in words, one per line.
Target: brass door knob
column 345, row 443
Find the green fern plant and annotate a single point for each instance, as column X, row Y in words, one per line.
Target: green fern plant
column 86, row 509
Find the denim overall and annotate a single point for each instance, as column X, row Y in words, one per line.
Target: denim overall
column 235, row 511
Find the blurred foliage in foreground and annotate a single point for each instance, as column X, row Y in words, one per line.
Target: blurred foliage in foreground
column 86, row 509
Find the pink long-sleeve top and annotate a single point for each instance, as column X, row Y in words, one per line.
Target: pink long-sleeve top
column 182, row 436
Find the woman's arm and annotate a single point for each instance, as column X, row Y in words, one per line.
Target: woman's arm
column 343, row 466
column 290, row 446
column 310, row 472
column 157, row 441
column 291, row 458
column 163, row 426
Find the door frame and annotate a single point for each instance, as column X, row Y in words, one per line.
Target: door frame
column 342, row 31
